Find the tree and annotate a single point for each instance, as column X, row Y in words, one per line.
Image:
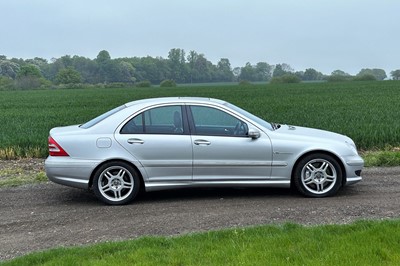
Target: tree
column 126, row 72
column 9, row 69
column 177, row 64
column 364, row 77
column 87, row 68
column 37, row 61
column 6, row 83
column 395, row 74
column 339, row 72
column 68, row 76
column 192, row 58
column 247, row 72
column 53, row 68
column 263, row 71
column 203, row 69
column 104, row 64
column 149, row 68
column 299, row 74
column 199, row 69
column 282, row 69
column 29, row 77
column 103, row 57
column 339, row 76
column 311, row 74
column 29, row 71
column 379, row 74
column 224, row 70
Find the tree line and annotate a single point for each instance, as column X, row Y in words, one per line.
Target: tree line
column 179, row 67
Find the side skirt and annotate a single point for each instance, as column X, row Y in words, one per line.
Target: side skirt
column 156, row 186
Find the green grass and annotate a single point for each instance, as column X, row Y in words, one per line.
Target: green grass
column 386, row 157
column 365, row 111
column 360, row 243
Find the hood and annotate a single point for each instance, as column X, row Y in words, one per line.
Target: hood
column 312, row 133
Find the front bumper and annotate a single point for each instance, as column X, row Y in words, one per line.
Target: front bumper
column 353, row 165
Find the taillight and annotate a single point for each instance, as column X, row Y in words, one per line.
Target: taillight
column 55, row 149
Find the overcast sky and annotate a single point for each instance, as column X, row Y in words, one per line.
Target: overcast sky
column 322, row 34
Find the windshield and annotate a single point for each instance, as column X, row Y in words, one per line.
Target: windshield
column 96, row 120
column 250, row 115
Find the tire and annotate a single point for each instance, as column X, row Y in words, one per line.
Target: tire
column 116, row 183
column 318, row 175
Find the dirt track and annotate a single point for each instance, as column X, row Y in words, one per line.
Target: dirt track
column 37, row 217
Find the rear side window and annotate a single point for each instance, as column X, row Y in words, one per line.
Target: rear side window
column 159, row 120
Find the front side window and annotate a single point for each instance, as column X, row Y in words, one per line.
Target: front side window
column 211, row 121
column 159, row 120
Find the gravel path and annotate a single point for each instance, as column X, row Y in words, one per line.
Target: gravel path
column 47, row 215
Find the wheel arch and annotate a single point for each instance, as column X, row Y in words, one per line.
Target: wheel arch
column 334, row 156
column 117, row 160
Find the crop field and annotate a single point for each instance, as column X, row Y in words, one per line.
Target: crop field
column 368, row 112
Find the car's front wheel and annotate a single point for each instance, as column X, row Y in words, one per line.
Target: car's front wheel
column 116, row 183
column 318, row 175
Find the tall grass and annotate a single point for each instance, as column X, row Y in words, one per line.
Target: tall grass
column 368, row 112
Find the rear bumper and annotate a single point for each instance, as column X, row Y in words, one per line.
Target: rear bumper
column 70, row 172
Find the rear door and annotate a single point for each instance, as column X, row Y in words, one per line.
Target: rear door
column 159, row 138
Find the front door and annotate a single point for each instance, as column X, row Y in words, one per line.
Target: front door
column 222, row 149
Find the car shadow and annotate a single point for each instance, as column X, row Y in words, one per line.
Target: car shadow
column 87, row 197
column 214, row 193
column 78, row 196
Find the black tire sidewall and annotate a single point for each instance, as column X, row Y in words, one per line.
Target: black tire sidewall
column 134, row 192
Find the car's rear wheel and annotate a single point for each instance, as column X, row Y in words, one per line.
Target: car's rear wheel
column 318, row 175
column 116, row 183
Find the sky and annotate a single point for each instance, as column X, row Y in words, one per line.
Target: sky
column 322, row 34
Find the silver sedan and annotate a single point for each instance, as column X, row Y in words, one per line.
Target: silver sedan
column 166, row 143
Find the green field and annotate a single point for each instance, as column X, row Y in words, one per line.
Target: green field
column 368, row 112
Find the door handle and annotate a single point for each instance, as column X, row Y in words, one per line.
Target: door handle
column 135, row 141
column 202, row 142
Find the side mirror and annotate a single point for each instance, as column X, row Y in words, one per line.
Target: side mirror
column 254, row 133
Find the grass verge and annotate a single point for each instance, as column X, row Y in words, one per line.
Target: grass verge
column 22, row 171
column 386, row 157
column 13, row 178
column 359, row 243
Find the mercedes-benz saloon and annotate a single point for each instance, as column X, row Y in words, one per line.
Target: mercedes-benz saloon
column 165, row 143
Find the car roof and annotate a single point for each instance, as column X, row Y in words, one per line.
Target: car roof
column 162, row 100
